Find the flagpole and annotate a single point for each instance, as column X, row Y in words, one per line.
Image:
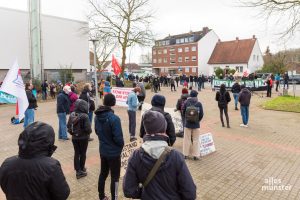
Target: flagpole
column 95, row 72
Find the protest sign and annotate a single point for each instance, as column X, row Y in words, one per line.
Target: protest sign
column 121, row 95
column 7, row 98
column 176, row 117
column 207, row 145
column 128, row 149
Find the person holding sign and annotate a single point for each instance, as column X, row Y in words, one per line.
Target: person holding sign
column 109, row 130
column 173, row 180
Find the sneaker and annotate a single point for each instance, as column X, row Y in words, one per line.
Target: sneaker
column 246, row 126
column 132, row 138
column 84, row 169
column 80, row 174
column 242, row 125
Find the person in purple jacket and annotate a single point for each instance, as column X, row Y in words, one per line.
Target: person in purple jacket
column 172, row 180
column 73, row 97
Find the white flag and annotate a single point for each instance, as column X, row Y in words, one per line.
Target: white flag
column 13, row 84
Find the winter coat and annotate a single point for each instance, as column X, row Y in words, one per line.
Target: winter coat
column 181, row 101
column 227, row 98
column 245, row 97
column 86, row 95
column 63, row 103
column 85, row 125
column 33, row 174
column 170, row 126
column 73, row 97
column 236, row 88
column 143, row 91
column 109, row 130
column 172, row 180
column 193, row 101
column 106, row 88
column 31, row 100
column 132, row 101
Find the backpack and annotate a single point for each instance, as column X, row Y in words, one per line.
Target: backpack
column 222, row 100
column 192, row 114
column 75, row 125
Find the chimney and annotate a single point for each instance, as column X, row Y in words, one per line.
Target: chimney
column 253, row 37
column 237, row 38
column 205, row 30
column 219, row 40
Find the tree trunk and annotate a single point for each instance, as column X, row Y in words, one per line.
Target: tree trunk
column 123, row 60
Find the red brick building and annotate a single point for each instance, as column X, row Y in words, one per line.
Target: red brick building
column 186, row 53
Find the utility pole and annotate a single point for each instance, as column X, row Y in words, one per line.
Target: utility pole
column 95, row 72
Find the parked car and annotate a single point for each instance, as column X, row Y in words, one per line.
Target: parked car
column 294, row 78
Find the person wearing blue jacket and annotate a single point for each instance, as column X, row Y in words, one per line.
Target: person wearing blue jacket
column 109, row 130
column 63, row 109
column 133, row 103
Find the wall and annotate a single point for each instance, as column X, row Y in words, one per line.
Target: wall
column 255, row 64
column 205, row 48
column 223, row 66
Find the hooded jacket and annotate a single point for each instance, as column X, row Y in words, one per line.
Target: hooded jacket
column 31, row 100
column 73, row 97
column 109, row 130
column 63, row 103
column 81, row 111
column 33, row 174
column 172, row 180
column 86, row 95
column 193, row 101
column 245, row 97
column 170, row 126
column 181, row 101
column 106, row 88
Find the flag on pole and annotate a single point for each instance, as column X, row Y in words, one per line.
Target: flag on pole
column 13, row 84
column 115, row 65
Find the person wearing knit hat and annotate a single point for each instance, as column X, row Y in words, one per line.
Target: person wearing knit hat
column 158, row 103
column 179, row 105
column 109, row 130
column 133, row 103
column 173, row 180
column 193, row 113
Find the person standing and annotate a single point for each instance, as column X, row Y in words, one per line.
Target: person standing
column 193, row 112
column 277, row 81
column 179, row 106
column 52, row 90
column 203, row 81
column 155, row 84
column 286, row 80
column 73, row 97
column 223, row 98
column 29, row 113
column 63, row 109
column 199, row 81
column 132, row 102
column 109, row 130
column 236, row 89
column 172, row 180
column 172, row 82
column 158, row 104
column 33, row 174
column 142, row 95
column 191, row 80
column 80, row 128
column 244, row 99
column 269, row 86
column 44, row 90
column 177, row 80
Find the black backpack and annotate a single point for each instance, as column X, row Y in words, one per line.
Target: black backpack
column 222, row 100
column 75, row 125
column 192, row 113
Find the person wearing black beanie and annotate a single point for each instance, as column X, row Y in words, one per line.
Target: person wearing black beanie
column 109, row 130
column 158, row 103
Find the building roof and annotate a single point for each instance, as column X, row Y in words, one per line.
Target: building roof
column 232, row 52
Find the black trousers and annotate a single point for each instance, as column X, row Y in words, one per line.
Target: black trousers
column 173, row 86
column 269, row 91
column 225, row 110
column 277, row 85
column 113, row 165
column 132, row 122
column 80, row 148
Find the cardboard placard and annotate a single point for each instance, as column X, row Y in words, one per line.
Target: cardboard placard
column 128, row 149
column 207, row 145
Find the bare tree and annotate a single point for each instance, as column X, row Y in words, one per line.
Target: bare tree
column 284, row 11
column 125, row 21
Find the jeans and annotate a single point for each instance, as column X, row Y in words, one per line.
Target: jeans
column 245, row 114
column 62, row 130
column 199, row 86
column 29, row 117
column 80, row 148
column 286, row 83
column 90, row 114
column 113, row 165
column 236, row 99
column 44, row 95
column 132, row 122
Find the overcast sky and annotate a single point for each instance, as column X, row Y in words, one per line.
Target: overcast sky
column 180, row 16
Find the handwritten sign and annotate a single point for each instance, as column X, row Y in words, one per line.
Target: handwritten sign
column 121, row 95
column 207, row 145
column 128, row 149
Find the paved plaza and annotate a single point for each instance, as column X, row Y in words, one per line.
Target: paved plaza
column 245, row 163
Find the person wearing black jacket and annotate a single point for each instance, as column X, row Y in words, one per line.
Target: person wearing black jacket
column 33, row 174
column 29, row 113
column 244, row 99
column 236, row 89
column 158, row 103
column 223, row 98
column 80, row 128
column 63, row 109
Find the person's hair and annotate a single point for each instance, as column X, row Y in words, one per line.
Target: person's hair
column 243, row 86
column 87, row 86
column 222, row 89
column 73, row 88
column 27, row 85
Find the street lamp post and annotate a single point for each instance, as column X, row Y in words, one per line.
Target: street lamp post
column 95, row 72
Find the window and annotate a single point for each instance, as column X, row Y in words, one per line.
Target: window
column 159, row 52
column 257, row 57
column 154, row 60
column 179, row 59
column 177, row 41
column 179, row 50
column 187, row 69
column 182, row 40
column 165, row 60
column 159, row 60
column 172, row 58
column 172, row 62
column 194, row 69
column 191, row 39
column 239, row 68
column 187, row 59
column 167, row 42
column 194, row 48
column 154, row 52
column 172, row 53
column 186, row 40
column 172, row 49
column 253, row 57
column 194, row 58
column 165, row 51
column 186, row 49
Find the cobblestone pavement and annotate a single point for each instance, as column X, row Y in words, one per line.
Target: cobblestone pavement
column 245, row 158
